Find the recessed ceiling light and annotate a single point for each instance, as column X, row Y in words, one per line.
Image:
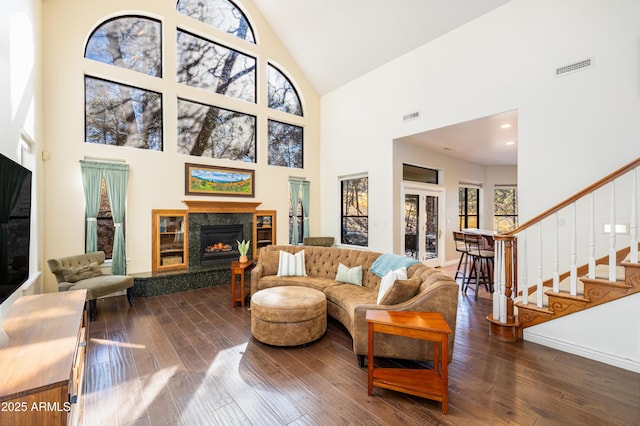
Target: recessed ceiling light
column 505, row 126
column 511, row 143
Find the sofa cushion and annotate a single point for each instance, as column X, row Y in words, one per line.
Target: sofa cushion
column 400, row 291
column 74, row 274
column 349, row 275
column 291, row 265
column 103, row 285
column 308, row 281
column 388, row 280
column 347, row 296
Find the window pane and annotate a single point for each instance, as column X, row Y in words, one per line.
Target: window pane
column 106, row 229
column 210, row 66
column 220, row 14
column 285, row 145
column 419, row 174
column 209, row 131
column 505, row 210
column 468, row 207
column 298, row 220
column 282, row 95
column 355, row 211
column 117, row 114
column 131, row 42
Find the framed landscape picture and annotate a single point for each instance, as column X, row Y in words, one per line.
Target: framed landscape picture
column 212, row 180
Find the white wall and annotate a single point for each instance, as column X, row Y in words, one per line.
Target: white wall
column 20, row 102
column 156, row 179
column 501, row 61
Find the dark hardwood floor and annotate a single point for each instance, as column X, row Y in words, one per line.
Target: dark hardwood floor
column 189, row 359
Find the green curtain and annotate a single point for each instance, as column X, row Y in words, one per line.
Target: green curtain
column 305, row 208
column 92, row 172
column 116, row 176
column 294, row 188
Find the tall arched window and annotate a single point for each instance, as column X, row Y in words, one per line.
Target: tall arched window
column 208, row 65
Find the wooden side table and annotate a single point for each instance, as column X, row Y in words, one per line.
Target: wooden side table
column 238, row 268
column 426, row 383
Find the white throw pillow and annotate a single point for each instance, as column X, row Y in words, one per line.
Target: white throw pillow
column 291, row 265
column 387, row 281
column 349, row 275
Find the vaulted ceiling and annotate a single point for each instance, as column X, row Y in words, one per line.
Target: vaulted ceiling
column 337, row 41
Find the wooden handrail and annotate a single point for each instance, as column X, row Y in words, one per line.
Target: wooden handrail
column 589, row 189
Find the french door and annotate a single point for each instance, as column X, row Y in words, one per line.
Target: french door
column 421, row 225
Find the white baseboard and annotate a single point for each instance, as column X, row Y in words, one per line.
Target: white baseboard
column 585, row 352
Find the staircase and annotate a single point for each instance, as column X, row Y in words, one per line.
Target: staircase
column 534, row 254
column 590, row 292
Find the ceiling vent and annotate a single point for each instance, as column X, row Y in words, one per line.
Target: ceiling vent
column 411, row 116
column 578, row 66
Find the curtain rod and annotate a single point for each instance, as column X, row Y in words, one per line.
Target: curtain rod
column 113, row 160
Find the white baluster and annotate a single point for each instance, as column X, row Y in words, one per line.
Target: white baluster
column 612, row 234
column 539, row 282
column 634, row 221
column 573, row 269
column 525, row 273
column 592, row 239
column 556, row 257
column 497, row 277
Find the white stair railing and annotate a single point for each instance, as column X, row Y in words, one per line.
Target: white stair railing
column 506, row 248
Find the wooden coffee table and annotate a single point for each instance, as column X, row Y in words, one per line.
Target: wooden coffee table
column 238, row 268
column 426, row 383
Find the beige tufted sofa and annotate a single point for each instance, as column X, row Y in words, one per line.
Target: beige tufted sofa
column 348, row 303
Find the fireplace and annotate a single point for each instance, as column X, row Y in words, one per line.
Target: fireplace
column 218, row 243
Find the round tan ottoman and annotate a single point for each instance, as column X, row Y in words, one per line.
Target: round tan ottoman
column 288, row 316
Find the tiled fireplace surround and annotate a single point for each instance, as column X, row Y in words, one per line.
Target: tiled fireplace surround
column 200, row 213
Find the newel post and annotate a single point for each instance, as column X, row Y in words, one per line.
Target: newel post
column 505, row 326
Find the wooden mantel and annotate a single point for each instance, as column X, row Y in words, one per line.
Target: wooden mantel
column 199, row 206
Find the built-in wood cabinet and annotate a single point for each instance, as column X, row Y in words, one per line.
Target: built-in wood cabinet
column 169, row 240
column 43, row 360
column 264, row 230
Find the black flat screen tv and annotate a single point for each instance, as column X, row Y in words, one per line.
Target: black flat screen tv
column 15, row 225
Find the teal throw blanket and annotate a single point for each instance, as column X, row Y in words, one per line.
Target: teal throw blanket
column 390, row 262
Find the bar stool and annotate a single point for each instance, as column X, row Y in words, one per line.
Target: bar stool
column 481, row 263
column 461, row 247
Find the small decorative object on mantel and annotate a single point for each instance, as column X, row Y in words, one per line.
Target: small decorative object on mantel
column 243, row 248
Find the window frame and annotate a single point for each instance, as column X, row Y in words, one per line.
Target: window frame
column 512, row 218
column 344, row 217
column 463, row 207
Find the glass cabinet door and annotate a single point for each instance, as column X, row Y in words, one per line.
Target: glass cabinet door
column 264, row 230
column 169, row 239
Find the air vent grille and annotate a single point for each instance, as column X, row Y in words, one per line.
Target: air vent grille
column 411, row 116
column 577, row 66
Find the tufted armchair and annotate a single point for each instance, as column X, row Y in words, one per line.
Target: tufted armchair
column 83, row 272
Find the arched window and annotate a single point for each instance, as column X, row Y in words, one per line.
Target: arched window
column 131, row 42
column 221, row 14
column 282, row 95
column 123, row 111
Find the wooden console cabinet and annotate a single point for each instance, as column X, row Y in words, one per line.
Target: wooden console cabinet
column 43, row 362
